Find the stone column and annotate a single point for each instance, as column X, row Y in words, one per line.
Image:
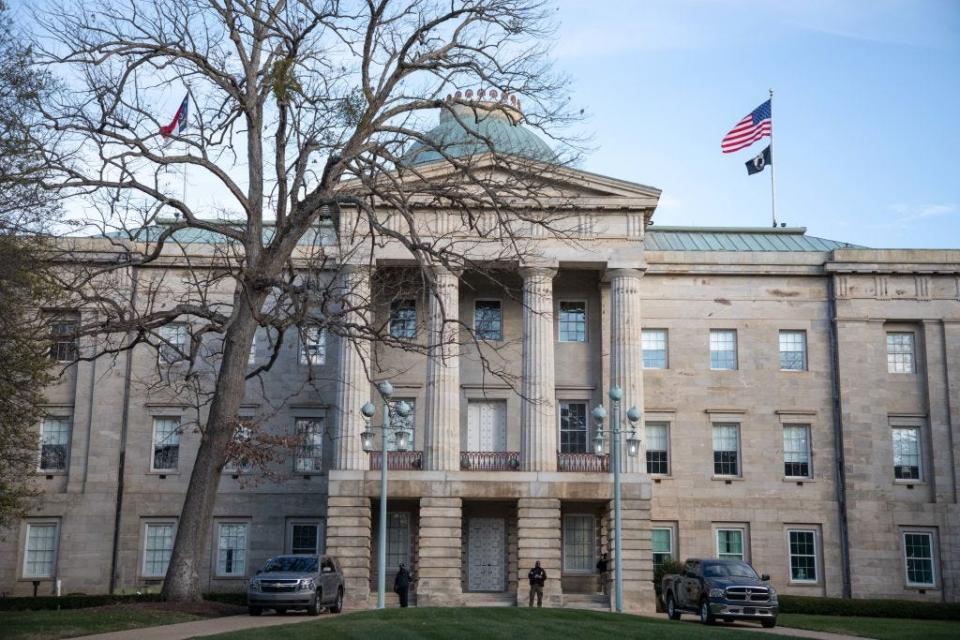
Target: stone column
column 538, row 539
column 626, row 350
column 439, row 567
column 348, row 540
column 638, row 592
column 353, row 386
column 538, row 419
column 442, row 434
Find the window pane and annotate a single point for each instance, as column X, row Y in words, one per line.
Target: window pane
column 63, row 337
column 662, row 546
column 173, row 342
column 803, row 556
column 41, row 551
column 918, row 548
column 309, row 445
column 314, row 347
column 403, row 319
column 54, row 443
column 573, row 321
column 730, row 544
column 573, row 427
column 796, row 451
column 654, row 343
column 409, row 423
column 305, row 538
column 158, row 546
column 906, row 453
column 398, row 541
column 726, row 449
column 232, row 550
column 657, row 448
column 723, row 349
column 579, row 552
column 487, row 320
column 166, row 443
column 242, row 435
column 900, row 352
column 793, row 350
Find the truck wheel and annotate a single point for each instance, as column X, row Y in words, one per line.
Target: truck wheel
column 254, row 611
column 337, row 605
column 317, row 605
column 672, row 612
column 769, row 624
column 705, row 616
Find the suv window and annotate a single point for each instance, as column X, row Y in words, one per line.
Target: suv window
column 296, row 564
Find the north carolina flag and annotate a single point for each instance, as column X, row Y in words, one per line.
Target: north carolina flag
column 755, row 125
column 179, row 121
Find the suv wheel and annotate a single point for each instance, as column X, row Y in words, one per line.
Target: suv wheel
column 672, row 612
column 769, row 623
column 316, row 606
column 337, row 606
column 705, row 616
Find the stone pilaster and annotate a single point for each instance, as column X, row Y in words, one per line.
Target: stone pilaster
column 538, row 538
column 538, row 419
column 348, row 540
column 353, row 386
column 439, row 566
column 442, row 433
column 626, row 351
column 638, row 592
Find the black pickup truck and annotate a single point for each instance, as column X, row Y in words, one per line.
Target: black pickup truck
column 720, row 590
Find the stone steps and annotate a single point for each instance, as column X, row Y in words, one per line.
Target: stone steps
column 590, row 601
column 505, row 599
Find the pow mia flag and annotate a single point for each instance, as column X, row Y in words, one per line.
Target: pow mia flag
column 758, row 164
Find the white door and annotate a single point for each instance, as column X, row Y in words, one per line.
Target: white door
column 486, row 554
column 486, row 425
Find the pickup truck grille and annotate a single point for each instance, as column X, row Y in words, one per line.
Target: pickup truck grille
column 279, row 586
column 748, row 594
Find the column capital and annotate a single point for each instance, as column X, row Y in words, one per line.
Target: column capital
column 529, row 271
column 622, row 272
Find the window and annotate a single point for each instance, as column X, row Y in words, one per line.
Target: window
column 906, row 453
column 726, row 449
column 662, row 545
column 403, row 319
column 314, row 346
column 723, row 349
column 573, row 321
column 237, row 462
column 166, row 444
column 309, row 456
column 573, row 427
column 54, row 443
column 157, row 547
column 306, row 537
column 488, row 320
column 40, row 550
column 173, row 342
column 579, row 548
column 918, row 553
column 796, row 451
column 63, row 337
column 900, row 352
column 398, row 541
column 730, row 544
column 654, row 343
column 658, row 448
column 793, row 350
column 803, row 555
column 409, row 423
column 232, row 549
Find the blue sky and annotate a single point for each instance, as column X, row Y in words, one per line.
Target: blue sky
column 866, row 110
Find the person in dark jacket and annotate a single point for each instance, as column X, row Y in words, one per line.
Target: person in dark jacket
column 537, row 577
column 401, row 584
column 602, row 570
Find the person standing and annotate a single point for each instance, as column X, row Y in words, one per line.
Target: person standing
column 401, row 585
column 602, row 570
column 537, row 577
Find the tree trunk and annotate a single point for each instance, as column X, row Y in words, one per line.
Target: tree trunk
column 182, row 582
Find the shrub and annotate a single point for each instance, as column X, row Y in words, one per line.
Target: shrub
column 912, row 609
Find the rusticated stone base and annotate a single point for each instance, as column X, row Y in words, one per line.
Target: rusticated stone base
column 348, row 540
column 439, row 563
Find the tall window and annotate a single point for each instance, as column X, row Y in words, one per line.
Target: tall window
column 803, row 555
column 793, row 350
column 658, row 448
column 654, row 343
column 573, row 321
column 166, row 444
column 488, row 320
column 409, row 423
column 314, row 345
column 306, row 537
column 796, row 451
column 573, row 427
column 54, row 443
column 238, row 463
column 906, row 453
column 900, row 352
column 918, row 552
column 173, row 342
column 157, row 547
column 723, row 349
column 40, row 552
column 662, row 543
column 309, row 456
column 63, row 337
column 730, row 544
column 398, row 541
column 726, row 449
column 403, row 319
column 579, row 546
column 232, row 549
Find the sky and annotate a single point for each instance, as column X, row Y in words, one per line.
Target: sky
column 866, row 110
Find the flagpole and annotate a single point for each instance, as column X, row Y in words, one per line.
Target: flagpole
column 773, row 170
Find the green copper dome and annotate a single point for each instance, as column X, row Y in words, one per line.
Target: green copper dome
column 472, row 129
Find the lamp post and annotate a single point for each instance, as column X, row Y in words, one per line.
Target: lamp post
column 633, row 446
column 401, row 440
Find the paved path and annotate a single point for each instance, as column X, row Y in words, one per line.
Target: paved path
column 208, row 627
column 783, row 631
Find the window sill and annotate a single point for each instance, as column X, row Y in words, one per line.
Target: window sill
column 172, row 472
column 723, row 370
column 911, row 483
column 231, row 577
column 919, row 587
column 804, row 583
column 47, row 579
column 726, row 478
column 801, row 479
column 794, row 370
column 52, row 473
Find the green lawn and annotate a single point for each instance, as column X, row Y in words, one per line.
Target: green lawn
column 505, row 622
column 879, row 628
column 47, row 625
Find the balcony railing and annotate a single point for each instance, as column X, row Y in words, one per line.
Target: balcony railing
column 583, row 462
column 398, row 460
column 489, row 460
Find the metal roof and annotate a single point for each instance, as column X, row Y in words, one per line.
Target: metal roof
column 738, row 239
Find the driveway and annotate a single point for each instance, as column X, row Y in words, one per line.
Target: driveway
column 212, row 626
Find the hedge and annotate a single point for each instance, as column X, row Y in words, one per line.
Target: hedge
column 911, row 609
column 83, row 601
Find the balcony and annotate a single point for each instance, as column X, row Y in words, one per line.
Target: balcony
column 583, row 463
column 397, row 460
column 490, row 460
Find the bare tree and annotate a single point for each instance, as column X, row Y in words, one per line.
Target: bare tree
column 305, row 131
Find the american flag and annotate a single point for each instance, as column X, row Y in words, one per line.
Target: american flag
column 179, row 121
column 755, row 125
